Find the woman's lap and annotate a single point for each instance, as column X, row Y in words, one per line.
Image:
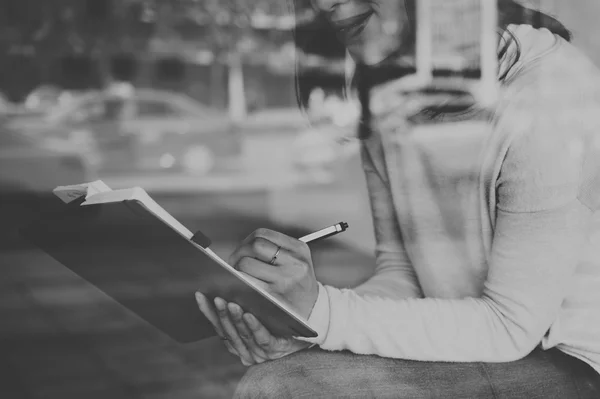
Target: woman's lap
column 319, row 374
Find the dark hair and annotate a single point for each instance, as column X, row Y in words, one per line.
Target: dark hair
column 317, row 37
column 511, row 12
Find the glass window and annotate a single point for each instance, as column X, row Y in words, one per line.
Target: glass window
column 9, row 139
column 87, row 111
column 156, row 109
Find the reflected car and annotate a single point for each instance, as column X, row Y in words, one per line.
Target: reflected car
column 284, row 120
column 45, row 98
column 9, row 109
column 151, row 130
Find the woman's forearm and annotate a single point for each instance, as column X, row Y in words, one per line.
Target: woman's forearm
column 392, row 279
column 521, row 299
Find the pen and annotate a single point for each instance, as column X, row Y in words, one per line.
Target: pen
column 324, row 233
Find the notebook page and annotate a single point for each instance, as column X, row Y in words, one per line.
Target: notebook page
column 73, row 192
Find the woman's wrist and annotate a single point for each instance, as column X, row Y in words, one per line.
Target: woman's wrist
column 319, row 317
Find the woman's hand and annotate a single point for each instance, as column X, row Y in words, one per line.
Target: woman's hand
column 243, row 335
column 283, row 263
column 284, row 266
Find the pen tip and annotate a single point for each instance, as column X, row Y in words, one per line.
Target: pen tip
column 344, row 225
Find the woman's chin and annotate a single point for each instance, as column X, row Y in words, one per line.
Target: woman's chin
column 361, row 54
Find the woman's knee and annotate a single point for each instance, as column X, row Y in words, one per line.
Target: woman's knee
column 257, row 383
column 283, row 378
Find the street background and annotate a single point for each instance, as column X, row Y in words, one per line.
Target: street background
column 207, row 122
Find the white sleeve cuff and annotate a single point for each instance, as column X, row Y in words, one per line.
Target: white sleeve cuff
column 319, row 318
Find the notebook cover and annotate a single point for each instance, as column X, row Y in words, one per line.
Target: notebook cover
column 148, row 267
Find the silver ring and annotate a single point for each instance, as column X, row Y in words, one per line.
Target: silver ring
column 274, row 258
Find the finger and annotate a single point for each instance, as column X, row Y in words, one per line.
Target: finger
column 231, row 333
column 230, row 348
column 236, row 315
column 292, row 244
column 258, row 248
column 262, row 336
column 278, row 239
column 209, row 313
column 206, row 308
column 259, row 269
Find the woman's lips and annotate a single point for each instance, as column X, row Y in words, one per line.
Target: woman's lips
column 349, row 29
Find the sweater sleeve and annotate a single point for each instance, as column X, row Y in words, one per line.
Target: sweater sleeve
column 394, row 276
column 537, row 238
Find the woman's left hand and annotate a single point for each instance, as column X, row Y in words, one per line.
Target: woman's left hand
column 243, row 335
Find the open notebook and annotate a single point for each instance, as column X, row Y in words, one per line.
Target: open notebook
column 128, row 246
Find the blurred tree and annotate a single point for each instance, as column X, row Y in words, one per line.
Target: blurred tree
column 124, row 67
column 51, row 30
column 231, row 31
column 224, row 32
column 170, row 69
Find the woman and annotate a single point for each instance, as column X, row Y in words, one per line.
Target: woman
column 487, row 279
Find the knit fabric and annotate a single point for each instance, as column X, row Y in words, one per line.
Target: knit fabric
column 486, row 243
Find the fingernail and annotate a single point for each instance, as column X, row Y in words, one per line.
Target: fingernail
column 220, row 304
column 199, row 296
column 250, row 319
column 235, row 310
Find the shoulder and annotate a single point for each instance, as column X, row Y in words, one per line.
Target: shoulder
column 559, row 74
column 550, row 117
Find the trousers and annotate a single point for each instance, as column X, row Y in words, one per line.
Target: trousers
column 320, row 374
